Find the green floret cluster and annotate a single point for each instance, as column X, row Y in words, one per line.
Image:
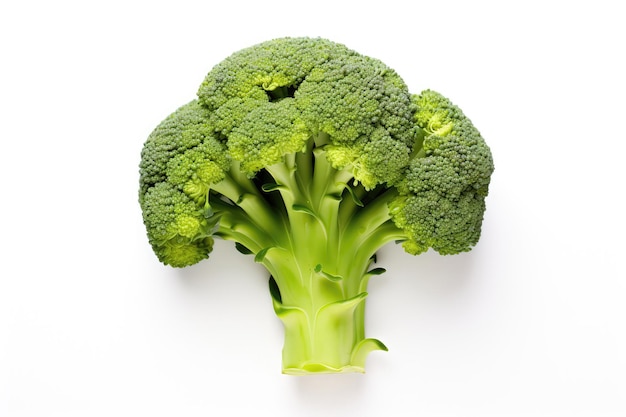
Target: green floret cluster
column 179, row 162
column 310, row 157
column 444, row 190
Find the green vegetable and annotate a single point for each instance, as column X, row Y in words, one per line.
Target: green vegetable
column 311, row 157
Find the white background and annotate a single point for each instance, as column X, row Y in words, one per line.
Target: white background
column 530, row 323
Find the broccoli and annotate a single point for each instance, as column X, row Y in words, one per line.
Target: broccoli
column 311, row 157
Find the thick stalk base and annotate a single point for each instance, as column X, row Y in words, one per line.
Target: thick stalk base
column 328, row 339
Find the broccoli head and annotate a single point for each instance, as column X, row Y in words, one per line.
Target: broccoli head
column 311, row 157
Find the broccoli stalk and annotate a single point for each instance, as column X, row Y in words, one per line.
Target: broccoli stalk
column 311, row 157
column 319, row 248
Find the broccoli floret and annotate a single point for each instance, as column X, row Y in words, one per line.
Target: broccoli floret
column 443, row 193
column 311, row 157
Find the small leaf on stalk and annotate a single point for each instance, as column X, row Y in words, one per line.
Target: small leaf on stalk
column 260, row 256
column 242, row 249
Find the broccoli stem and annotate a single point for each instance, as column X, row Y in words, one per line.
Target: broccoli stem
column 317, row 241
column 319, row 295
